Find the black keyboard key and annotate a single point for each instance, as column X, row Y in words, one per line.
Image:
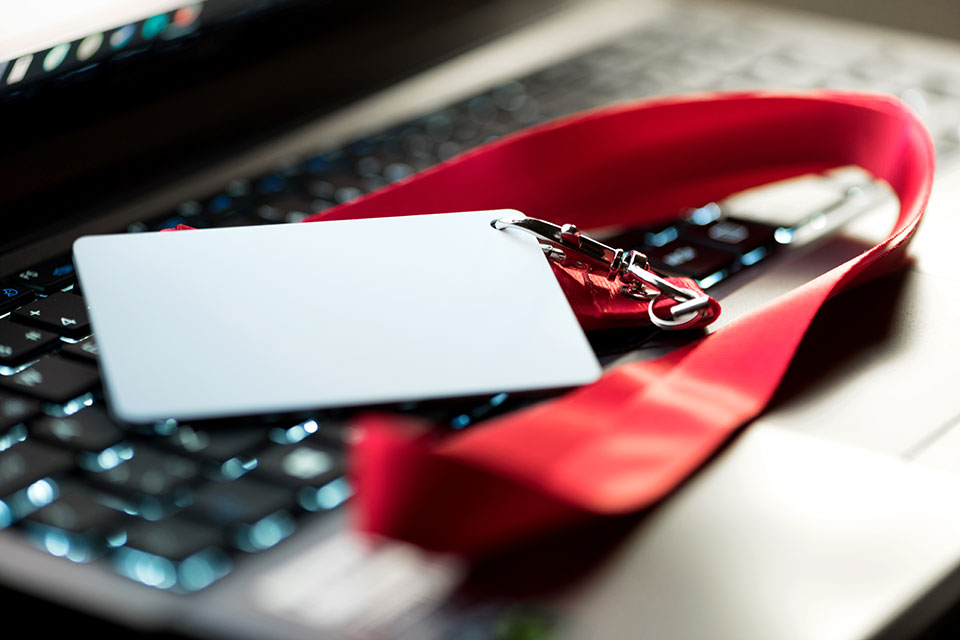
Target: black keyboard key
column 77, row 510
column 174, row 538
column 16, row 409
column 290, row 209
column 49, row 276
column 742, row 236
column 272, row 185
column 90, row 430
column 64, row 314
column 171, row 554
column 13, row 295
column 335, row 434
column 337, row 188
column 239, row 220
column 221, row 204
column 705, row 264
column 302, row 464
column 85, row 351
column 27, row 462
column 238, row 199
column 239, row 502
column 189, row 209
column 325, row 163
column 19, row 343
column 149, row 472
column 217, row 445
column 53, row 379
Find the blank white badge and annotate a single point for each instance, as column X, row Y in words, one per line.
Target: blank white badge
column 251, row 320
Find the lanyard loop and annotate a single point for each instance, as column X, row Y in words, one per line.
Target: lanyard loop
column 568, row 247
column 626, row 441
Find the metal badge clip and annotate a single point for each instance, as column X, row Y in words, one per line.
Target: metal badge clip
column 567, row 246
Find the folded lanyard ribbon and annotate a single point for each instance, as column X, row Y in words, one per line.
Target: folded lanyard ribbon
column 624, row 442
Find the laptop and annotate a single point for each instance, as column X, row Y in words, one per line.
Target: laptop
column 834, row 515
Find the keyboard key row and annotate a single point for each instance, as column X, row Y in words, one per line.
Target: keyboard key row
column 14, row 294
column 28, row 462
column 153, row 505
column 48, row 277
column 18, row 343
column 90, row 430
column 53, row 379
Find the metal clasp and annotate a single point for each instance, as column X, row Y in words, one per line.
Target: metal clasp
column 566, row 245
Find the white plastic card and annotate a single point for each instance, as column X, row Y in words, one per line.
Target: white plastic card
column 251, row 320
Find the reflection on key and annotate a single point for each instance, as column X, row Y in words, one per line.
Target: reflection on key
column 174, row 554
column 53, row 379
column 90, row 430
column 85, row 351
column 62, row 313
column 740, row 236
column 76, row 525
column 49, row 276
column 257, row 514
column 706, row 264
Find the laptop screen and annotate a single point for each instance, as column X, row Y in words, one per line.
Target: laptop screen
column 45, row 39
column 98, row 91
column 103, row 100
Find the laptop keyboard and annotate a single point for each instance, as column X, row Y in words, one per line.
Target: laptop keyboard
column 175, row 506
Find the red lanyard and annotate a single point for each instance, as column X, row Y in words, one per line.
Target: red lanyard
column 626, row 441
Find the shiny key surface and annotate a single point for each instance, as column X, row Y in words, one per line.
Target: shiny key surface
column 731, row 234
column 53, row 379
column 216, row 444
column 145, row 471
column 690, row 259
column 242, row 501
column 306, row 463
column 19, row 343
column 77, row 510
column 15, row 409
column 174, row 538
column 48, row 276
column 28, row 462
column 85, row 351
column 62, row 313
column 91, row 430
column 14, row 294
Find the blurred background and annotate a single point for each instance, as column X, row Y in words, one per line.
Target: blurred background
column 237, row 73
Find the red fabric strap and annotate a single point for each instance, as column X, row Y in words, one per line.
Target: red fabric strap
column 599, row 304
column 625, row 442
